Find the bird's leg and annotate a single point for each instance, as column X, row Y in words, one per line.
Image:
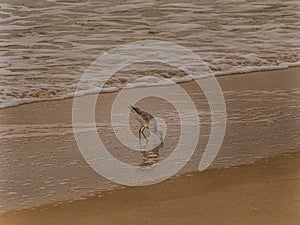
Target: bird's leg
column 142, row 131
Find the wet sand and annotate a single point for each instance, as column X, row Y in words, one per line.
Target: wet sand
column 41, row 164
column 267, row 192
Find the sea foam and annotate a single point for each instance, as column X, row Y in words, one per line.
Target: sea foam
column 47, row 47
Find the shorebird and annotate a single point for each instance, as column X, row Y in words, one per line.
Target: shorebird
column 147, row 121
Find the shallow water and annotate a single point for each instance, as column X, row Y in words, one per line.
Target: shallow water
column 47, row 45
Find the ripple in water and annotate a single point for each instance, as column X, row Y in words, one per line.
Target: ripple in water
column 47, row 45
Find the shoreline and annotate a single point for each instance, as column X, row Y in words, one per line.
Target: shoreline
column 263, row 121
column 219, row 85
column 289, row 67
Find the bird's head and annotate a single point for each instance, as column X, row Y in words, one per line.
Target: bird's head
column 133, row 109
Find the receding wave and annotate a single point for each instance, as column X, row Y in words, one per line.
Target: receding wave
column 46, row 46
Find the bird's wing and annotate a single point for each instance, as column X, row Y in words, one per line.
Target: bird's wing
column 146, row 116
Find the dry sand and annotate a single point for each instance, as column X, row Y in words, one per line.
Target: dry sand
column 263, row 121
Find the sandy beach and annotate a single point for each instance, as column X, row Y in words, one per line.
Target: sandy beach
column 191, row 65
column 267, row 192
column 42, row 169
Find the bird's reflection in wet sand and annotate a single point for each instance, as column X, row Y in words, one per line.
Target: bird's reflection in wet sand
column 151, row 157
